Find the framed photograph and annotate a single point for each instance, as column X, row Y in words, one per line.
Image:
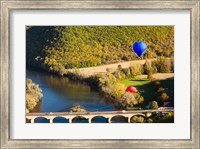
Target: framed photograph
column 100, row 74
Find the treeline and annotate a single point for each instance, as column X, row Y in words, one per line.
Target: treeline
column 154, row 118
column 161, row 65
column 33, row 95
column 56, row 48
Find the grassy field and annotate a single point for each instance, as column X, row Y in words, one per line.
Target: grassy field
column 135, row 82
column 146, row 89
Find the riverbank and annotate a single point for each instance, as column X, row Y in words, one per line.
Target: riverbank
column 33, row 95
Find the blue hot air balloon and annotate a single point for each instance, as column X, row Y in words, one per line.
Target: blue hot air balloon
column 139, row 48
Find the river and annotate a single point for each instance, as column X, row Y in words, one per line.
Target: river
column 60, row 94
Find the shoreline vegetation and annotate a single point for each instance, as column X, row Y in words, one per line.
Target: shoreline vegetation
column 153, row 93
column 113, row 83
column 33, row 95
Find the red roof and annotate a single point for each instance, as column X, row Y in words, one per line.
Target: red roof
column 131, row 89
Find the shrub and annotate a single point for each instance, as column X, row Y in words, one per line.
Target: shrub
column 126, row 58
column 169, row 114
column 163, row 65
column 149, row 120
column 123, row 76
column 118, row 90
column 131, row 99
column 161, row 90
column 99, row 75
column 119, row 76
column 164, row 97
column 127, row 72
column 157, row 84
column 138, row 97
column 119, row 67
column 172, row 64
column 168, row 118
column 150, row 75
column 77, row 109
column 154, row 105
column 31, row 102
column 61, row 71
column 107, row 80
column 33, row 89
column 147, row 66
column 128, row 100
column 28, row 81
column 137, row 119
column 108, row 69
column 136, row 69
column 154, row 66
column 140, row 100
column 33, row 95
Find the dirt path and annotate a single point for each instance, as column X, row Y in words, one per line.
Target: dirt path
column 159, row 76
column 85, row 72
column 102, row 69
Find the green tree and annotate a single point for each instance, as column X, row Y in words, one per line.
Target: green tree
column 140, row 100
column 127, row 72
column 119, row 67
column 118, row 90
column 150, row 75
column 128, row 100
column 137, row 119
column 154, row 105
column 163, row 65
column 147, row 66
column 164, row 97
column 136, row 69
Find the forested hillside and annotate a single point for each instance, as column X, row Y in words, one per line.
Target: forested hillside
column 56, row 48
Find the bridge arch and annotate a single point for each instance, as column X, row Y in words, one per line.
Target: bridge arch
column 28, row 120
column 60, row 119
column 79, row 119
column 41, row 119
column 99, row 119
column 137, row 118
column 139, row 114
column 118, row 118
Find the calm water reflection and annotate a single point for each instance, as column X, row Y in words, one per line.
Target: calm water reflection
column 60, row 94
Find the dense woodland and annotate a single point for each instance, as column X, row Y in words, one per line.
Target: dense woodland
column 56, row 48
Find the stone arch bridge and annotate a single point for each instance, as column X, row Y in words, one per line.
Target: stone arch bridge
column 90, row 115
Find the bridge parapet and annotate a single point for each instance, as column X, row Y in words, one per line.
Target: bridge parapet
column 90, row 115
